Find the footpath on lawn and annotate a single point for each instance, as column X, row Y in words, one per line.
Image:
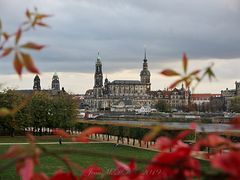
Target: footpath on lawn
column 94, row 139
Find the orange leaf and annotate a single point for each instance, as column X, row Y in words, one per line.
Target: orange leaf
column 17, row 65
column 29, row 64
column 61, row 132
column 6, row 52
column 42, row 24
column 173, row 85
column 195, row 72
column 169, row 72
column 18, row 35
column 31, row 45
column 185, row 62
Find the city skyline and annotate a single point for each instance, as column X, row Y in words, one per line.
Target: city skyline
column 207, row 31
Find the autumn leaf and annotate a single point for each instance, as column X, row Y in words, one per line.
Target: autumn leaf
column 228, row 162
column 169, row 72
column 28, row 63
column 90, row 172
column 61, row 133
column 60, row 175
column 153, row 133
column 163, row 143
column 6, row 52
column 5, row 112
column 25, row 170
column 83, row 137
column 185, row 62
column 18, row 35
column 17, row 64
column 28, row 14
column 31, row 45
column 174, row 84
column 235, row 122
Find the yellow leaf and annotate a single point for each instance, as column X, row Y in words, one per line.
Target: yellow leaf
column 5, row 112
column 185, row 62
column 153, row 133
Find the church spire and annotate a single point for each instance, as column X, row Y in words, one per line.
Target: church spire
column 145, row 53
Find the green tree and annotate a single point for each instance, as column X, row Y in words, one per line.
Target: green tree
column 17, row 121
column 162, row 106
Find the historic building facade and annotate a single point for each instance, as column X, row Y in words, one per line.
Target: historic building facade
column 229, row 94
column 55, row 90
column 128, row 95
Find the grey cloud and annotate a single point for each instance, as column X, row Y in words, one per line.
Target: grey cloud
column 204, row 29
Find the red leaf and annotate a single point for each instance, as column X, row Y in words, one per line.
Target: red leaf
column 17, row 64
column 31, row 45
column 26, row 169
column 12, row 152
column 163, row 143
column 215, row 140
column 90, row 172
column 182, row 135
column 169, row 72
column 193, row 126
column 28, row 63
column 93, row 130
column 18, row 35
column 235, row 122
column 228, row 162
column 80, row 138
column 39, row 176
column 61, row 133
column 59, row 175
column 6, row 52
column 185, row 62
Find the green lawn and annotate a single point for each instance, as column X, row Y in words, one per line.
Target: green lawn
column 22, row 139
column 50, row 164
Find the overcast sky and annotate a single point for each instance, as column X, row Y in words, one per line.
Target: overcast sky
column 207, row 30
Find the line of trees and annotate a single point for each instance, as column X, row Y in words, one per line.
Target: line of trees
column 129, row 132
column 42, row 110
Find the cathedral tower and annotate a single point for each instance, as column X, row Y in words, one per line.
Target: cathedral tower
column 98, row 77
column 55, row 82
column 145, row 73
column 36, row 83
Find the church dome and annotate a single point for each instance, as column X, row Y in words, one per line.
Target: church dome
column 145, row 72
